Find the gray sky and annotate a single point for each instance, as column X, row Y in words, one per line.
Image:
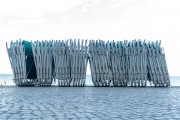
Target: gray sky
column 92, row 19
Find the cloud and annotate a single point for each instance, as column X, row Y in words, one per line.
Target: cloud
column 102, row 19
column 28, row 22
column 35, row 8
column 1, row 19
column 85, row 7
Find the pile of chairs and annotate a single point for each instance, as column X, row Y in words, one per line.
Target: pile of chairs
column 156, row 65
column 126, row 63
column 70, row 60
column 136, row 62
column 24, row 73
column 79, row 60
column 61, row 55
column 118, row 62
column 42, row 52
column 41, row 62
column 121, row 63
column 99, row 63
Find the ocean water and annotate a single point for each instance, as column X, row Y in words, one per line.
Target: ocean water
column 8, row 80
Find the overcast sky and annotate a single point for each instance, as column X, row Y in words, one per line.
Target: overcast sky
column 92, row 19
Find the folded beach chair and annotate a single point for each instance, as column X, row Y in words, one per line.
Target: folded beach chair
column 43, row 58
column 22, row 63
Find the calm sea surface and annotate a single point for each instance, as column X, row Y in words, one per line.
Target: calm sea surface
column 175, row 80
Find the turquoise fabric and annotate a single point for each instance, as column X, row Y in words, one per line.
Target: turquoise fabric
column 30, row 65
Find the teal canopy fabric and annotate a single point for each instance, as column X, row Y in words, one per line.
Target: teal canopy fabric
column 30, row 65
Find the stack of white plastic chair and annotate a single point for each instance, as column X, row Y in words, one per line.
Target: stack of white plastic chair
column 61, row 55
column 99, row 63
column 78, row 59
column 157, row 67
column 42, row 52
column 18, row 59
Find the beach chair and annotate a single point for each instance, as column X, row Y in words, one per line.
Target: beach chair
column 22, row 63
column 43, row 58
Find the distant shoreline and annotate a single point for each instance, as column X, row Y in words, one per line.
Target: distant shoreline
column 7, row 80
